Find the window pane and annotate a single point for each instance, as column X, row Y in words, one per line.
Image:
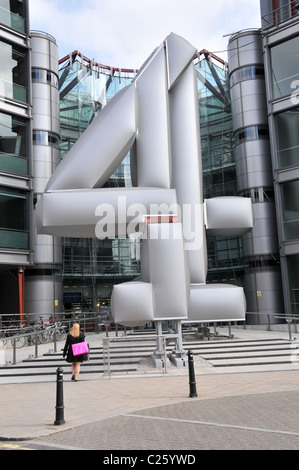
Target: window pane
column 285, row 67
column 247, row 73
column 13, row 144
column 12, row 14
column 290, row 208
column 13, row 72
column 13, row 218
column 287, row 125
column 44, row 76
column 45, row 138
column 293, row 273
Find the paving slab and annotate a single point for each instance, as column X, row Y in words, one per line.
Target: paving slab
column 256, row 408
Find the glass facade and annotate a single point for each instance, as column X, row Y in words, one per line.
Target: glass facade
column 90, row 266
column 46, row 138
column 12, row 14
column 90, row 269
column 247, row 73
column 290, row 209
column 13, row 72
column 14, row 230
column 13, row 144
column 44, row 76
column 275, row 12
column 15, row 151
column 287, row 137
column 219, row 176
column 251, row 133
column 282, row 60
column 84, row 91
column 285, row 67
column 225, row 262
column 293, row 275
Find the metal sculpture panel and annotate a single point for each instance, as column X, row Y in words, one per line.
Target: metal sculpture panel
column 157, row 118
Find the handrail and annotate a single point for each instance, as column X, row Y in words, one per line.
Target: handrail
column 278, row 15
column 32, row 333
column 106, row 343
column 44, row 33
column 281, row 316
column 289, row 319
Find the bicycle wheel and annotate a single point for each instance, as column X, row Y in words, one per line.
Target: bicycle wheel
column 44, row 337
column 19, row 341
column 60, row 334
column 35, row 338
column 11, row 331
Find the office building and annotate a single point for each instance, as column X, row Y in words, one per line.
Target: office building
column 248, row 115
column 16, row 243
column 29, row 152
column 280, row 38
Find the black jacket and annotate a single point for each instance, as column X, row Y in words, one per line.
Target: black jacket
column 68, row 351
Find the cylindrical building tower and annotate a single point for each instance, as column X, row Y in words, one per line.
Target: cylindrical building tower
column 262, row 281
column 43, row 281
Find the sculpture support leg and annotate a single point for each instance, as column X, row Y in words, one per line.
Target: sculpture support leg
column 159, row 356
column 179, row 355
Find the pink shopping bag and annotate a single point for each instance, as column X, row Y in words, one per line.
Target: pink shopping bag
column 80, row 348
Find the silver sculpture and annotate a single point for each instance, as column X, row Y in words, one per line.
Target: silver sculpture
column 156, row 118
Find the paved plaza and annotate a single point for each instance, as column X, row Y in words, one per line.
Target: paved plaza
column 233, row 410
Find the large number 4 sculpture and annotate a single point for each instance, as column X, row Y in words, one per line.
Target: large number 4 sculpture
column 156, row 118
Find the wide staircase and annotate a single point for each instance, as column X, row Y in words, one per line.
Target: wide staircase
column 131, row 356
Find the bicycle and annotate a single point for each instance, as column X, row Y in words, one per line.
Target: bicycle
column 3, row 339
column 43, row 336
column 14, row 332
column 51, row 329
column 35, row 338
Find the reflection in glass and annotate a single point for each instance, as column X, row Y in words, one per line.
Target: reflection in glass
column 13, row 81
column 45, row 138
column 44, row 76
column 13, row 144
column 293, row 273
column 285, row 67
column 13, row 218
column 290, row 209
column 249, row 72
column 287, row 135
column 12, row 14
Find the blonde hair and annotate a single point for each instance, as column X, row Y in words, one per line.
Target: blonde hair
column 75, row 330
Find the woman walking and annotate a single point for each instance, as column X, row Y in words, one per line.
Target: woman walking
column 74, row 336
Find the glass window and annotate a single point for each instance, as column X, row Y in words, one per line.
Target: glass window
column 13, row 144
column 287, row 137
column 13, row 83
column 249, row 72
column 45, row 138
column 251, row 133
column 13, row 218
column 293, row 274
column 290, row 209
column 44, row 76
column 12, row 14
column 285, row 67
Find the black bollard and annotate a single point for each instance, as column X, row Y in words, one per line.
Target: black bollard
column 59, row 398
column 192, row 382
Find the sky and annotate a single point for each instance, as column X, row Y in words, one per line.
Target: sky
column 123, row 33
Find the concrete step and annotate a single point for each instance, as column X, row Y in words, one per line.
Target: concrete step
column 247, row 353
column 125, row 356
column 53, row 363
column 252, row 361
